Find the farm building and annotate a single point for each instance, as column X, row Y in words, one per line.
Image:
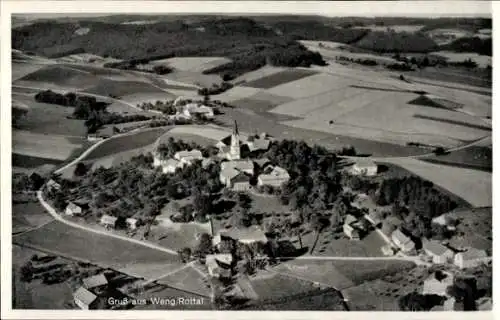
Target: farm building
column 219, row 265
column 258, row 143
column 470, row 258
column 374, row 217
column 171, row 165
column 187, row 157
column 53, row 186
column 276, row 177
column 253, row 234
column 245, row 166
column 72, row 209
column 439, row 253
column 235, row 180
column 131, row 223
column 365, row 167
column 445, row 220
column 402, row 241
column 351, row 232
column 194, row 109
column 437, row 283
column 95, row 282
column 108, row 221
column 85, row 299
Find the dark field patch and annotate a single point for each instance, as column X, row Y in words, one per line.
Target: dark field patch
column 23, row 161
column 61, row 75
column 124, row 143
column 480, row 158
column 106, row 87
column 455, row 122
column 279, row 78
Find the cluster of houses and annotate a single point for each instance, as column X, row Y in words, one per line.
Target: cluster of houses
column 236, row 173
column 89, row 295
column 220, row 265
column 438, row 283
column 192, row 110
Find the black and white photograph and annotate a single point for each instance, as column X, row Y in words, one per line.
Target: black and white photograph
column 200, row 156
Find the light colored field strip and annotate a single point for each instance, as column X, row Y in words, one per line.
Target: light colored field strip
column 58, row 217
column 145, row 283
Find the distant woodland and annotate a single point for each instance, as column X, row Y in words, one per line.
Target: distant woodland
column 250, row 42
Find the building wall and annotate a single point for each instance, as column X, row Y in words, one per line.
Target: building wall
column 241, row 186
column 81, row 305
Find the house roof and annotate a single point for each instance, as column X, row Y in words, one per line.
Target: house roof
column 240, row 177
column 195, row 153
column 73, row 207
column 229, row 173
column 52, row 183
column 401, row 237
column 224, row 258
column 95, row 281
column 365, row 163
column 131, row 220
column 253, row 233
column 258, row 144
column 84, row 296
column 241, row 165
column 472, row 254
column 276, row 172
column 108, row 219
column 171, row 163
column 435, row 248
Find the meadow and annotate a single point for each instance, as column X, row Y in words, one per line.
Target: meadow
column 42, row 146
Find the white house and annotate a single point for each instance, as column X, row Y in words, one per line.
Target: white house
column 217, row 268
column 351, row 232
column 192, row 109
column 276, row 178
column 187, row 157
column 131, row 223
column 108, row 221
column 72, row 209
column 439, row 253
column 171, row 165
column 84, row 299
column 235, row 179
column 350, row 219
column 364, row 167
column 53, row 186
column 249, row 235
column 402, row 241
column 470, row 258
column 445, row 220
column 437, row 283
column 245, row 166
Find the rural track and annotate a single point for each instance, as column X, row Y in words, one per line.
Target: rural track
column 58, row 217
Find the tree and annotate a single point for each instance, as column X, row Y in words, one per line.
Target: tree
column 80, row 169
column 59, row 201
column 185, row 254
column 27, row 272
column 204, row 245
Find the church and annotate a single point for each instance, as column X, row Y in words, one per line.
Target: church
column 234, row 147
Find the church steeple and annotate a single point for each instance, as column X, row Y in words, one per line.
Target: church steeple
column 234, row 151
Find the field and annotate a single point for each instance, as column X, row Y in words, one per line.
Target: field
column 210, row 132
column 42, row 146
column 35, row 294
column 46, row 118
column 127, row 257
column 28, row 215
column 476, row 225
column 279, row 78
column 369, row 246
column 178, row 236
column 194, row 64
column 342, row 274
column 474, row 157
column 21, row 69
column 473, row 186
column 54, row 76
column 257, row 74
column 383, row 294
column 108, row 87
column 397, row 28
column 127, row 142
column 193, row 78
column 188, row 280
column 237, row 93
column 278, row 286
column 482, row 61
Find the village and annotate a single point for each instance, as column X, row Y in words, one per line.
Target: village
column 232, row 251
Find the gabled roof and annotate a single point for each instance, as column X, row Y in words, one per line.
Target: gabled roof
column 95, row 281
column 108, row 219
column 261, row 162
column 365, row 163
column 224, row 258
column 253, row 233
column 84, row 296
column 188, row 153
column 229, row 173
column 73, row 207
column 240, row 177
column 241, row 165
column 131, row 220
column 435, row 247
column 401, row 237
column 171, row 163
column 472, row 254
